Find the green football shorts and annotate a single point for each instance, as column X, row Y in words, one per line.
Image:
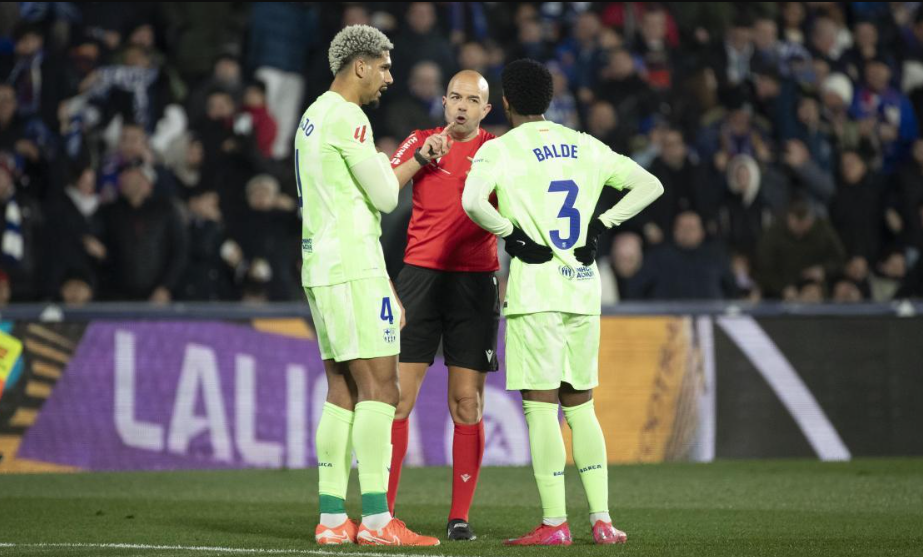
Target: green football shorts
column 356, row 319
column 546, row 349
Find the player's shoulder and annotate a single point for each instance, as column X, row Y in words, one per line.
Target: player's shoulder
column 484, row 136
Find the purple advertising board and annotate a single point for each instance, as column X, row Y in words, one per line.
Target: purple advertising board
column 188, row 395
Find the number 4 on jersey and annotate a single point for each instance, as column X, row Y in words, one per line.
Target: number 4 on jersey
column 386, row 313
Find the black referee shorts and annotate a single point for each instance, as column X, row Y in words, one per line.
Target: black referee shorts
column 460, row 309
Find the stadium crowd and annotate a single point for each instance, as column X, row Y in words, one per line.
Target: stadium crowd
column 145, row 151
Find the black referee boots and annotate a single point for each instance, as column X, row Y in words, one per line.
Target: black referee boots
column 459, row 530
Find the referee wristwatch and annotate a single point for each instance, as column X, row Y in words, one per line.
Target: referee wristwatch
column 420, row 158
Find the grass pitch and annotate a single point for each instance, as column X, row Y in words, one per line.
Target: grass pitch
column 771, row 508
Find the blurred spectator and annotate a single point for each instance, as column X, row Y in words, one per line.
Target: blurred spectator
column 909, row 197
column 76, row 289
column 912, row 35
column 837, row 97
column 146, row 245
column 810, row 292
column 806, row 175
column 531, row 42
column 912, row 287
column 580, row 54
column 743, row 214
column 213, row 258
column 865, row 48
column 824, row 44
column 133, row 149
column 421, row 41
column 20, row 225
column 889, row 275
column 620, row 85
column 267, row 234
column 845, row 291
column 200, row 33
column 5, row 292
column 474, row 56
column 802, row 247
column 72, row 238
column 626, row 260
column 686, row 269
column 563, row 109
column 226, row 76
column 185, row 159
column 230, row 154
column 282, row 36
column 22, row 142
column 35, row 75
column 794, row 16
column 685, row 187
column 813, row 134
column 787, row 58
column 890, row 112
column 731, row 60
column 422, row 108
column 653, row 48
column 603, row 124
column 857, row 209
column 264, row 126
column 733, row 135
column 136, row 89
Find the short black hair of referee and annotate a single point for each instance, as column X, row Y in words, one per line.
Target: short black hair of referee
column 527, row 88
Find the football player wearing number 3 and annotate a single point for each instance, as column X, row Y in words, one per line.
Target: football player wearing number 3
column 548, row 179
column 343, row 186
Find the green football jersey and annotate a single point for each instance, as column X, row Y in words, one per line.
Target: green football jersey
column 548, row 179
column 340, row 226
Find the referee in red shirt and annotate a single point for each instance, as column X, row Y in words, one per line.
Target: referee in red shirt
column 448, row 288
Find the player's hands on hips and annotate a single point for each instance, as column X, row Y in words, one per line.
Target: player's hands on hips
column 520, row 246
column 586, row 254
column 437, row 146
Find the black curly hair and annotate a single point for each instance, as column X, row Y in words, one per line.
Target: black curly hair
column 527, row 86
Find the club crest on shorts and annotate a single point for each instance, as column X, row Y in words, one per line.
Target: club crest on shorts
column 390, row 335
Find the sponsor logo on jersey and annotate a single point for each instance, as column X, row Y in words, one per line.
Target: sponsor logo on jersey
column 403, row 149
column 360, row 134
column 390, row 335
column 567, row 272
column 307, row 245
column 590, row 468
column 585, row 273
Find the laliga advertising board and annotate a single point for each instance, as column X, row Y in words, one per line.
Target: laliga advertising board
column 185, row 395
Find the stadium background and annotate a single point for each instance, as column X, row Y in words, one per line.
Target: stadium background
column 197, row 104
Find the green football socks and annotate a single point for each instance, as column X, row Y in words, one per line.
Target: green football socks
column 372, row 440
column 589, row 449
column 548, row 457
column 334, row 462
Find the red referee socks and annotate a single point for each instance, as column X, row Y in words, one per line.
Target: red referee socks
column 467, row 451
column 399, row 434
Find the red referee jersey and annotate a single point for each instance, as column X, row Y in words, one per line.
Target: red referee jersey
column 441, row 236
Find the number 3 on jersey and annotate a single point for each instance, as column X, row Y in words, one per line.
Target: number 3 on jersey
column 568, row 211
column 386, row 313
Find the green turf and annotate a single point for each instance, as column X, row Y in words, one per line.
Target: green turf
column 784, row 508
